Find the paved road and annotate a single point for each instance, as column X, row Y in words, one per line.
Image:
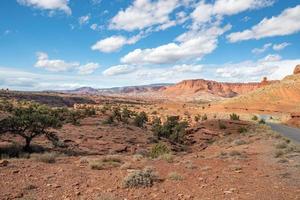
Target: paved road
column 289, row 132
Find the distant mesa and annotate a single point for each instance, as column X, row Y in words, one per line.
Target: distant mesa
column 297, row 69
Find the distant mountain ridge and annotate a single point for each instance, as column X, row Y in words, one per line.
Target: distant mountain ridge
column 119, row 90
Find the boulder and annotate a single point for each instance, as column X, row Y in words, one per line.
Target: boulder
column 297, row 69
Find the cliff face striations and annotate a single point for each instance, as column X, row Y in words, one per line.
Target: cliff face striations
column 192, row 87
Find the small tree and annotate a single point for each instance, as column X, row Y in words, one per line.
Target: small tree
column 30, row 122
column 140, row 119
column 172, row 129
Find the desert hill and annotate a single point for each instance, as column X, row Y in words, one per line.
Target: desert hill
column 283, row 96
column 211, row 90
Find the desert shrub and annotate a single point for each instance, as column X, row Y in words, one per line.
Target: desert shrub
column 222, row 125
column 45, row 157
column 125, row 115
column 154, row 112
column 75, row 116
column 204, row 117
column 239, row 142
column 158, row 150
column 242, row 130
column 175, row 176
column 104, row 109
column 140, row 119
column 6, row 106
column 31, row 122
column 108, row 120
column 105, row 163
column 137, row 157
column 234, row 116
column 140, row 178
column 116, row 113
column 254, row 118
column 197, row 118
column 167, row 157
column 278, row 153
column 89, row 112
column 262, row 121
column 172, row 129
column 281, row 145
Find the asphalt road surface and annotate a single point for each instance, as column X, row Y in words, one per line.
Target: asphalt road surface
column 289, row 132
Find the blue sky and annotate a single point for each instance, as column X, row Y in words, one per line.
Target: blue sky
column 64, row 44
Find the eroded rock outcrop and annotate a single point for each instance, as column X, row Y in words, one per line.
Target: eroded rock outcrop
column 216, row 88
column 297, row 69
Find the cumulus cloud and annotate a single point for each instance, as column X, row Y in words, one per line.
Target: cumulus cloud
column 271, row 58
column 288, row 22
column 88, row 68
column 50, row 5
column 119, row 70
column 188, row 68
column 114, row 43
column 84, row 19
column 190, row 45
column 57, row 65
column 272, row 66
column 261, row 50
column 278, row 47
column 142, row 14
column 206, row 12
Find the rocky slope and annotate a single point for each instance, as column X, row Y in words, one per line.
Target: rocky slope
column 201, row 88
column 283, row 96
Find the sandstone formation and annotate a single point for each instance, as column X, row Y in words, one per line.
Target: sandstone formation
column 297, row 69
column 220, row 89
column 282, row 96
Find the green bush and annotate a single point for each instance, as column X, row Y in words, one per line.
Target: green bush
column 222, row 125
column 172, row 129
column 242, row 130
column 234, row 116
column 158, row 150
column 109, row 120
column 204, row 117
column 262, row 121
column 140, row 119
column 197, row 118
column 254, row 118
column 140, row 178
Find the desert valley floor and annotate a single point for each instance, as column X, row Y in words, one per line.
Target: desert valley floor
column 133, row 146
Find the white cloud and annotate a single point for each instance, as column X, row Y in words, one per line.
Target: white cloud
column 84, row 19
column 262, row 50
column 88, row 68
column 206, row 12
column 114, row 43
column 190, row 45
column 188, row 68
column 51, row 5
column 231, row 7
column 288, row 22
column 271, row 66
column 44, row 62
column 119, row 70
column 144, row 13
column 278, row 47
column 271, row 58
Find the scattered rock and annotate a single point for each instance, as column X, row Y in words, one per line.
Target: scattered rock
column 3, row 163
